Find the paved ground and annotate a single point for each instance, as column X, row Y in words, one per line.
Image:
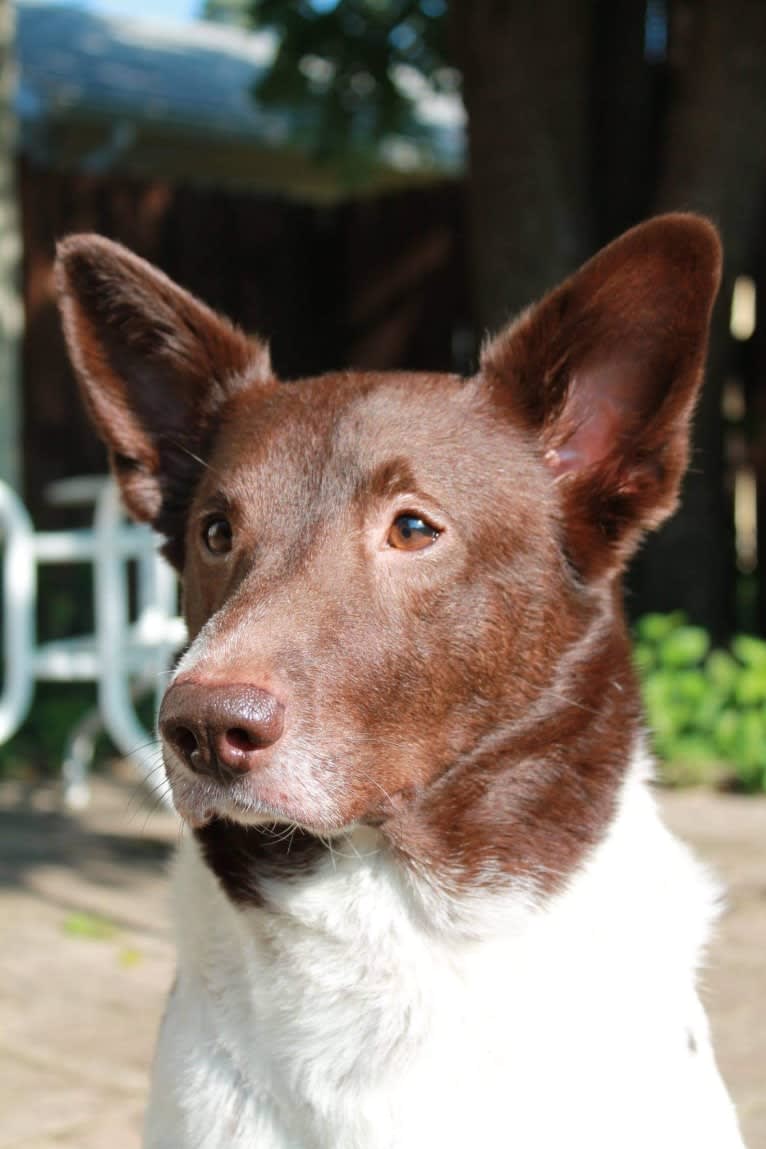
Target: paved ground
column 86, row 960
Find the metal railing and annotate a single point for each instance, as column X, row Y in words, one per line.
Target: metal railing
column 124, row 657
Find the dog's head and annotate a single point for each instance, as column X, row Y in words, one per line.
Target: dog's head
column 400, row 588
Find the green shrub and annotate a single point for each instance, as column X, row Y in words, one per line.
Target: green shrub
column 706, row 709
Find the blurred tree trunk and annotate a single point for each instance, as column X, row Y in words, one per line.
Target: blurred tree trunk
column 627, row 93
column 714, row 161
column 10, row 257
column 545, row 186
column 526, row 77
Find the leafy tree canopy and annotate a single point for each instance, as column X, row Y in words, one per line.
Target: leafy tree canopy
column 351, row 70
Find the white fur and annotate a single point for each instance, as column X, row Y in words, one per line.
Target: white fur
column 374, row 1012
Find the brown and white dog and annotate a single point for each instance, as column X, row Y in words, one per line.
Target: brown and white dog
column 427, row 899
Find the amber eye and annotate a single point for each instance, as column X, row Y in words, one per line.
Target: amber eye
column 217, row 535
column 410, row 533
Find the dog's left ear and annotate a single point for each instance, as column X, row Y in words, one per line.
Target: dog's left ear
column 605, row 371
column 155, row 368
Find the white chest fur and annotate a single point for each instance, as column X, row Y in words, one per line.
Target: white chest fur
column 347, row 1020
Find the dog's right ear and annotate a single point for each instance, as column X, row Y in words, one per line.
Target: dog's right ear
column 604, row 371
column 154, row 365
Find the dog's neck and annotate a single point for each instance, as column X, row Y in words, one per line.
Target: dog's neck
column 540, row 790
column 360, row 894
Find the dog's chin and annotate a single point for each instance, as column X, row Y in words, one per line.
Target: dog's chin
column 199, row 813
column 200, row 802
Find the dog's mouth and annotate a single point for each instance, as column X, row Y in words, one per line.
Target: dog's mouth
column 199, row 804
column 200, row 801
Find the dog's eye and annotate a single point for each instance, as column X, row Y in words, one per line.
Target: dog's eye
column 217, row 535
column 411, row 533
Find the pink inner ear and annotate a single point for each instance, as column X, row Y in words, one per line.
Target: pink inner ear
column 603, row 407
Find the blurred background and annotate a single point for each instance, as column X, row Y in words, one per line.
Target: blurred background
column 381, row 183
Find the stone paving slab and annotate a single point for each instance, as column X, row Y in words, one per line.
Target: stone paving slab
column 86, row 958
column 729, row 832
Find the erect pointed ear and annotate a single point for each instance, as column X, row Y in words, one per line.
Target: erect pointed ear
column 154, row 366
column 605, row 371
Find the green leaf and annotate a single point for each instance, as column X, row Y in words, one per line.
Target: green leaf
column 653, row 628
column 750, row 744
column 751, row 651
column 707, row 713
column 685, row 646
column 666, row 715
column 726, row 733
column 750, row 689
column 692, row 687
column 722, row 670
column 644, row 657
column 85, row 925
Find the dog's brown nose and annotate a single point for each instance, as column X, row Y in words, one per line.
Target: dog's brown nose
column 218, row 730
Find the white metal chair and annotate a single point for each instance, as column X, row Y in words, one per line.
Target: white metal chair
column 124, row 657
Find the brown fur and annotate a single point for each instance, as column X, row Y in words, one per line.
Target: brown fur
column 475, row 700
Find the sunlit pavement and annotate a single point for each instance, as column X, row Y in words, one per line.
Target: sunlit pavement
column 729, row 832
column 85, row 962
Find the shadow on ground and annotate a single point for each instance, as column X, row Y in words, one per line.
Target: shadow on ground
column 31, row 837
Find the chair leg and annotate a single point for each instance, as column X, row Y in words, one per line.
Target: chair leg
column 78, row 759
